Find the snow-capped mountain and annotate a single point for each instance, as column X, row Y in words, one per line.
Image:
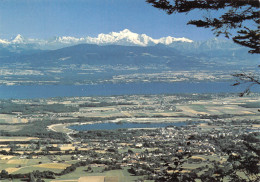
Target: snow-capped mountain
column 4, row 41
column 125, row 37
column 213, row 47
column 19, row 39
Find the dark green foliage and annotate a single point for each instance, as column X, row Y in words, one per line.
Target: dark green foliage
column 3, row 174
column 39, row 129
column 104, row 104
column 234, row 15
column 9, row 107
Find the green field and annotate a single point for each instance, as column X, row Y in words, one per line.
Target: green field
column 122, row 175
column 199, row 108
column 25, row 165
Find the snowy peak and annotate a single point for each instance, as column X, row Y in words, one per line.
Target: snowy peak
column 124, row 37
column 19, row 39
column 169, row 40
column 123, row 34
column 126, row 31
column 2, row 41
column 68, row 40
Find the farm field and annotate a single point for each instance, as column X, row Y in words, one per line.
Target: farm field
column 45, row 143
column 98, row 176
column 6, row 139
column 139, row 107
column 15, row 165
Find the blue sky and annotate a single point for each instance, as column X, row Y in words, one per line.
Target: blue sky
column 80, row 18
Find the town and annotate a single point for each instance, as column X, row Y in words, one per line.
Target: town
column 205, row 137
column 24, row 74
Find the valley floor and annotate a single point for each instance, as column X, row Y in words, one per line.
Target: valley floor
column 221, row 131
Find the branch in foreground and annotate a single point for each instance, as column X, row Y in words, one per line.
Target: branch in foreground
column 246, row 78
column 235, row 14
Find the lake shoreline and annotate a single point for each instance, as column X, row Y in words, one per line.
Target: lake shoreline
column 66, row 127
column 50, row 91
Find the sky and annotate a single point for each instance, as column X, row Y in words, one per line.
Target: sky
column 80, row 18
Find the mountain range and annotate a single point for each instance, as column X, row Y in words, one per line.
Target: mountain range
column 214, row 47
column 124, row 37
column 120, row 47
column 119, row 57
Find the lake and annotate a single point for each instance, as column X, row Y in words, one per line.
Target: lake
column 46, row 91
column 114, row 126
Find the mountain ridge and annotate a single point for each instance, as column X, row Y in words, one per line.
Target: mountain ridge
column 20, row 45
column 124, row 37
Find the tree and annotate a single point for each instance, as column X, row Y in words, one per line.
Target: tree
column 237, row 13
column 3, row 174
column 247, row 79
column 32, row 178
column 240, row 15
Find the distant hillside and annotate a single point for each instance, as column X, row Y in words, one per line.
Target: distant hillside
column 110, row 54
column 179, row 61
